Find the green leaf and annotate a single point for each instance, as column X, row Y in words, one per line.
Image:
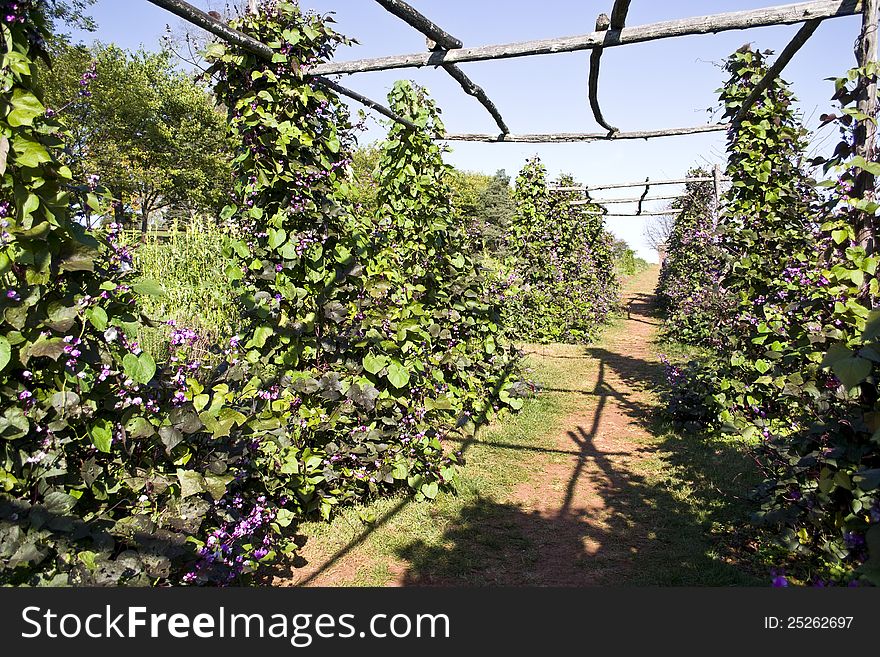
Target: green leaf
column 102, row 435
column 97, row 316
column 762, row 366
column 58, row 503
column 216, row 484
column 840, row 236
column 374, row 364
column 276, row 238
column 5, row 352
column 29, row 153
column 191, row 483
column 149, row 287
column 14, row 424
column 139, row 368
column 851, row 371
column 25, row 108
column 867, row 480
column 262, row 334
column 430, row 490
column 398, row 374
column 835, row 353
column 139, row 427
column 65, row 402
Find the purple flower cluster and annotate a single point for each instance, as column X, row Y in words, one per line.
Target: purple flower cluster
column 235, row 546
column 86, row 80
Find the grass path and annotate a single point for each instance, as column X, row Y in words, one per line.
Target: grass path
column 584, row 487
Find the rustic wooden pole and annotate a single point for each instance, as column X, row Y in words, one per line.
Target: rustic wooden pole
column 641, row 183
column 866, row 130
column 738, row 20
column 414, row 18
column 621, row 201
column 716, row 183
column 803, row 35
column 644, row 196
column 617, row 22
column 603, row 23
column 644, row 214
column 440, row 39
column 618, row 14
column 220, row 29
column 567, row 137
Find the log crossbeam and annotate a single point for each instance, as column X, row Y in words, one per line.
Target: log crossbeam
column 570, row 137
column 644, row 195
column 221, row 30
column 622, row 201
column 439, row 39
column 616, row 22
column 785, row 57
column 641, row 183
column 738, row 20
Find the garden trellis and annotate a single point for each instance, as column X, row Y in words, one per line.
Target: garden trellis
column 446, row 51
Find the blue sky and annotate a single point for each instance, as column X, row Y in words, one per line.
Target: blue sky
column 668, row 83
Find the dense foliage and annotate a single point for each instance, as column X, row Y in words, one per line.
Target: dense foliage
column 97, row 458
column 564, row 283
column 688, row 288
column 365, row 342
column 793, row 372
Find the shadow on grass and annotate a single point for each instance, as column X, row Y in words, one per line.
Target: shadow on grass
column 669, row 525
column 665, row 517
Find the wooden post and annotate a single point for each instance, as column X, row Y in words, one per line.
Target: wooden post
column 644, row 195
column 438, row 39
column 866, row 131
column 602, row 25
column 716, row 181
column 803, row 35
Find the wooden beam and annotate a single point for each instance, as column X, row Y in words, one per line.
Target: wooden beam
column 439, row 38
column 803, row 35
column 366, row 102
column 737, row 20
column 644, row 196
column 621, row 201
column 644, row 214
column 472, row 89
column 412, row 17
column 221, row 30
column 641, row 183
column 618, row 14
column 568, row 137
column 866, row 130
column 716, row 188
column 602, row 25
column 617, row 22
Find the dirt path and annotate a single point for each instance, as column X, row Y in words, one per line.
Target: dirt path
column 575, row 509
column 581, row 488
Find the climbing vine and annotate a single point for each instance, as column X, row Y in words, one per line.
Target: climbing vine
column 564, row 280
column 98, row 459
column 794, row 372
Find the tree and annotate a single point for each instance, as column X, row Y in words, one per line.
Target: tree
column 658, row 231
column 151, row 135
column 495, row 210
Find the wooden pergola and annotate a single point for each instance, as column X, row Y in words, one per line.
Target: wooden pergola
column 447, row 52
